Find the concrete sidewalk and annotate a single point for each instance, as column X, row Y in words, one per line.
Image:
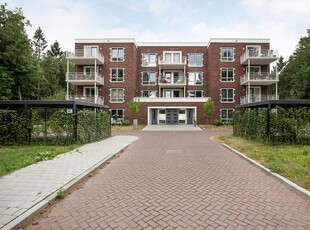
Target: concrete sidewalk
column 25, row 191
column 172, row 128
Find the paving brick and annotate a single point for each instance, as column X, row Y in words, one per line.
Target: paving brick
column 171, row 180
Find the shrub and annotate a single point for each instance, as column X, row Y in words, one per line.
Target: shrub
column 126, row 123
column 217, row 122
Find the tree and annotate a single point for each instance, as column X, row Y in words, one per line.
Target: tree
column 295, row 79
column 39, row 43
column 208, row 110
column 19, row 70
column 134, row 106
column 55, row 50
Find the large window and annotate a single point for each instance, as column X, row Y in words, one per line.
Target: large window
column 117, row 75
column 117, row 54
column 227, row 115
column 149, row 78
column 195, row 93
column 195, row 59
column 116, row 95
column 148, row 59
column 227, row 54
column 149, row 93
column 227, row 95
column 117, row 116
column 195, row 78
column 90, row 51
column 227, row 74
column 89, row 91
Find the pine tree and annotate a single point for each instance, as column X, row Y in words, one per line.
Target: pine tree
column 55, row 50
column 39, row 43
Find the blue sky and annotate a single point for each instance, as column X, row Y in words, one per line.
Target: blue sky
column 283, row 21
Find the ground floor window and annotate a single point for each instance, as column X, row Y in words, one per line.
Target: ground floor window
column 227, row 115
column 117, row 116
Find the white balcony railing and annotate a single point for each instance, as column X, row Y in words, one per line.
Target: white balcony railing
column 80, row 53
column 262, row 54
column 92, row 99
column 258, row 77
column 76, row 76
column 246, row 99
column 162, row 61
column 180, row 80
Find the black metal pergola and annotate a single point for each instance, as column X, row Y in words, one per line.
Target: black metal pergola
column 28, row 105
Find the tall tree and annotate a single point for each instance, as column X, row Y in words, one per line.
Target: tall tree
column 39, row 43
column 295, row 79
column 19, row 70
column 55, row 50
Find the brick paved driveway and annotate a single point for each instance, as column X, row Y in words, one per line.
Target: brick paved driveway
column 179, row 180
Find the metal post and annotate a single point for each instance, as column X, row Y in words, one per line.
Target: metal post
column 268, row 120
column 277, row 77
column 96, row 81
column 249, row 85
column 67, row 79
column 75, row 125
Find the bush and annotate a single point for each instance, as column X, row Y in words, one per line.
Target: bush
column 126, row 123
column 217, row 122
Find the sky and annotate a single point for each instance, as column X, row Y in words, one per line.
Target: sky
column 284, row 22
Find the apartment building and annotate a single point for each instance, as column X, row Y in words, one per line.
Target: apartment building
column 172, row 80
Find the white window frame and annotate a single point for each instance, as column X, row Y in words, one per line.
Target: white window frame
column 172, row 56
column 118, row 100
column 188, row 95
column 155, row 91
column 146, row 63
column 253, row 46
column 142, row 73
column 249, row 90
column 196, row 77
column 111, row 69
column 118, row 58
column 227, row 99
column 227, row 119
column 172, row 93
column 90, row 87
column 195, row 65
column 227, row 68
column 224, row 59
column 119, row 119
column 91, row 54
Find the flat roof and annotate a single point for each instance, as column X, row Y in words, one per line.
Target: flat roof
column 49, row 104
column 274, row 103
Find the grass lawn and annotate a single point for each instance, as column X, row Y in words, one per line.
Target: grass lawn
column 216, row 128
column 290, row 161
column 127, row 128
column 16, row 157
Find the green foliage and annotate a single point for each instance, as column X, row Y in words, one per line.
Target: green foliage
column 294, row 81
column 217, row 122
column 134, row 106
column 39, row 43
column 61, row 193
column 208, row 108
column 44, row 156
column 126, row 123
column 286, row 125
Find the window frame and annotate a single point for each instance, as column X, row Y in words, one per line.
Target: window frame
column 195, row 91
column 119, row 119
column 150, row 64
column 227, row 119
column 233, row 75
column 196, row 79
column 227, row 59
column 117, row 77
column 227, row 100
column 148, row 72
column 142, row 91
column 117, row 100
column 195, row 64
column 118, row 58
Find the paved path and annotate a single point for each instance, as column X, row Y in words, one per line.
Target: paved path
column 27, row 190
column 179, row 180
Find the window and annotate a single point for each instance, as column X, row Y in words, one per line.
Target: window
column 195, row 59
column 227, row 54
column 89, row 71
column 117, row 54
column 195, row 93
column 149, row 93
column 116, row 75
column 149, row 78
column 117, row 116
column 227, row 115
column 90, row 51
column 253, row 51
column 168, row 93
column 227, row 74
column 90, row 91
column 195, row 78
column 227, row 95
column 172, row 57
column 116, row 95
column 148, row 59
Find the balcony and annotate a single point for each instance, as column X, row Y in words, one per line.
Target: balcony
column 76, row 78
column 263, row 57
column 91, row 99
column 252, row 99
column 174, row 82
column 259, row 79
column 80, row 57
column 173, row 99
column 172, row 63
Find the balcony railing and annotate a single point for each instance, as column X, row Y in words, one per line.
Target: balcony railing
column 174, row 81
column 268, row 55
column 80, row 53
column 162, row 61
column 259, row 78
column 82, row 77
column 246, row 99
column 92, row 99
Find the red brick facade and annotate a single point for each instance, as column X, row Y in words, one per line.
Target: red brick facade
column 211, row 85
